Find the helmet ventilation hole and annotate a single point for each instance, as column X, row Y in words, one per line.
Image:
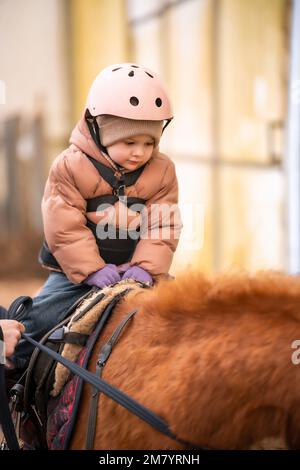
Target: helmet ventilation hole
column 134, row 101
column 158, row 102
column 131, row 74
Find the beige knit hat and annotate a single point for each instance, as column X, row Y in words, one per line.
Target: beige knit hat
column 115, row 128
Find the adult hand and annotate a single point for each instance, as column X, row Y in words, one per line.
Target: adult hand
column 138, row 274
column 12, row 330
column 104, row 277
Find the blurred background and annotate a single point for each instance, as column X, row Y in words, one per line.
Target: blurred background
column 232, row 68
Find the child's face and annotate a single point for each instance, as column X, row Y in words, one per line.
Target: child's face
column 133, row 152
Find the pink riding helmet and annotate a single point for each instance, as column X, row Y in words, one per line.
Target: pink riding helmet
column 129, row 91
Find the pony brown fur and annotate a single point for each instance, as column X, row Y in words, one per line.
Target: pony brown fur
column 210, row 356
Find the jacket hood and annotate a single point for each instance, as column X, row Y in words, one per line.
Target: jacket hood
column 82, row 138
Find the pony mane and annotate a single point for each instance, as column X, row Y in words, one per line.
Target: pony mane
column 194, row 294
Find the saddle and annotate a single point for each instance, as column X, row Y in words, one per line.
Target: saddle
column 74, row 338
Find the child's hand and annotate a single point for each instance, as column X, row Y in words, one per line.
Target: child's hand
column 104, row 277
column 138, row 274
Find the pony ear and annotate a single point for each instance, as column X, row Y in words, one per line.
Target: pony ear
column 293, row 427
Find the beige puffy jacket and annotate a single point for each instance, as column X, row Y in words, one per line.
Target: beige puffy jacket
column 73, row 179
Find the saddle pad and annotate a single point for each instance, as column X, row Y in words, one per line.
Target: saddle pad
column 85, row 323
column 62, row 411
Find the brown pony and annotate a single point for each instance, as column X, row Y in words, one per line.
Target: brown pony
column 213, row 358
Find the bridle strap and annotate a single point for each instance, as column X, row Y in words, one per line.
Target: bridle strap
column 5, row 415
column 105, row 352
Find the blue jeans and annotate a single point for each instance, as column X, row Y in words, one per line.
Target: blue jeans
column 49, row 308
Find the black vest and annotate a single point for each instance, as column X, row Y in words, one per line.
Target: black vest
column 120, row 249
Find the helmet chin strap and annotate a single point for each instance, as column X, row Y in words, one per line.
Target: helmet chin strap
column 118, row 168
column 94, row 131
column 166, row 125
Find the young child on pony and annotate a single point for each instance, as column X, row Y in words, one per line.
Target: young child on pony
column 102, row 200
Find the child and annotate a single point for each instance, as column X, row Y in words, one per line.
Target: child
column 101, row 206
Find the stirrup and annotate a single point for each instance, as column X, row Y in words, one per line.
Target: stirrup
column 16, row 394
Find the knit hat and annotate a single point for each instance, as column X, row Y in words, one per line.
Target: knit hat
column 115, row 128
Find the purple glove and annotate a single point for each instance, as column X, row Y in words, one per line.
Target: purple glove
column 104, row 277
column 138, row 274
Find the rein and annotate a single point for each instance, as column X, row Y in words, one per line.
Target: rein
column 5, row 415
column 16, row 311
